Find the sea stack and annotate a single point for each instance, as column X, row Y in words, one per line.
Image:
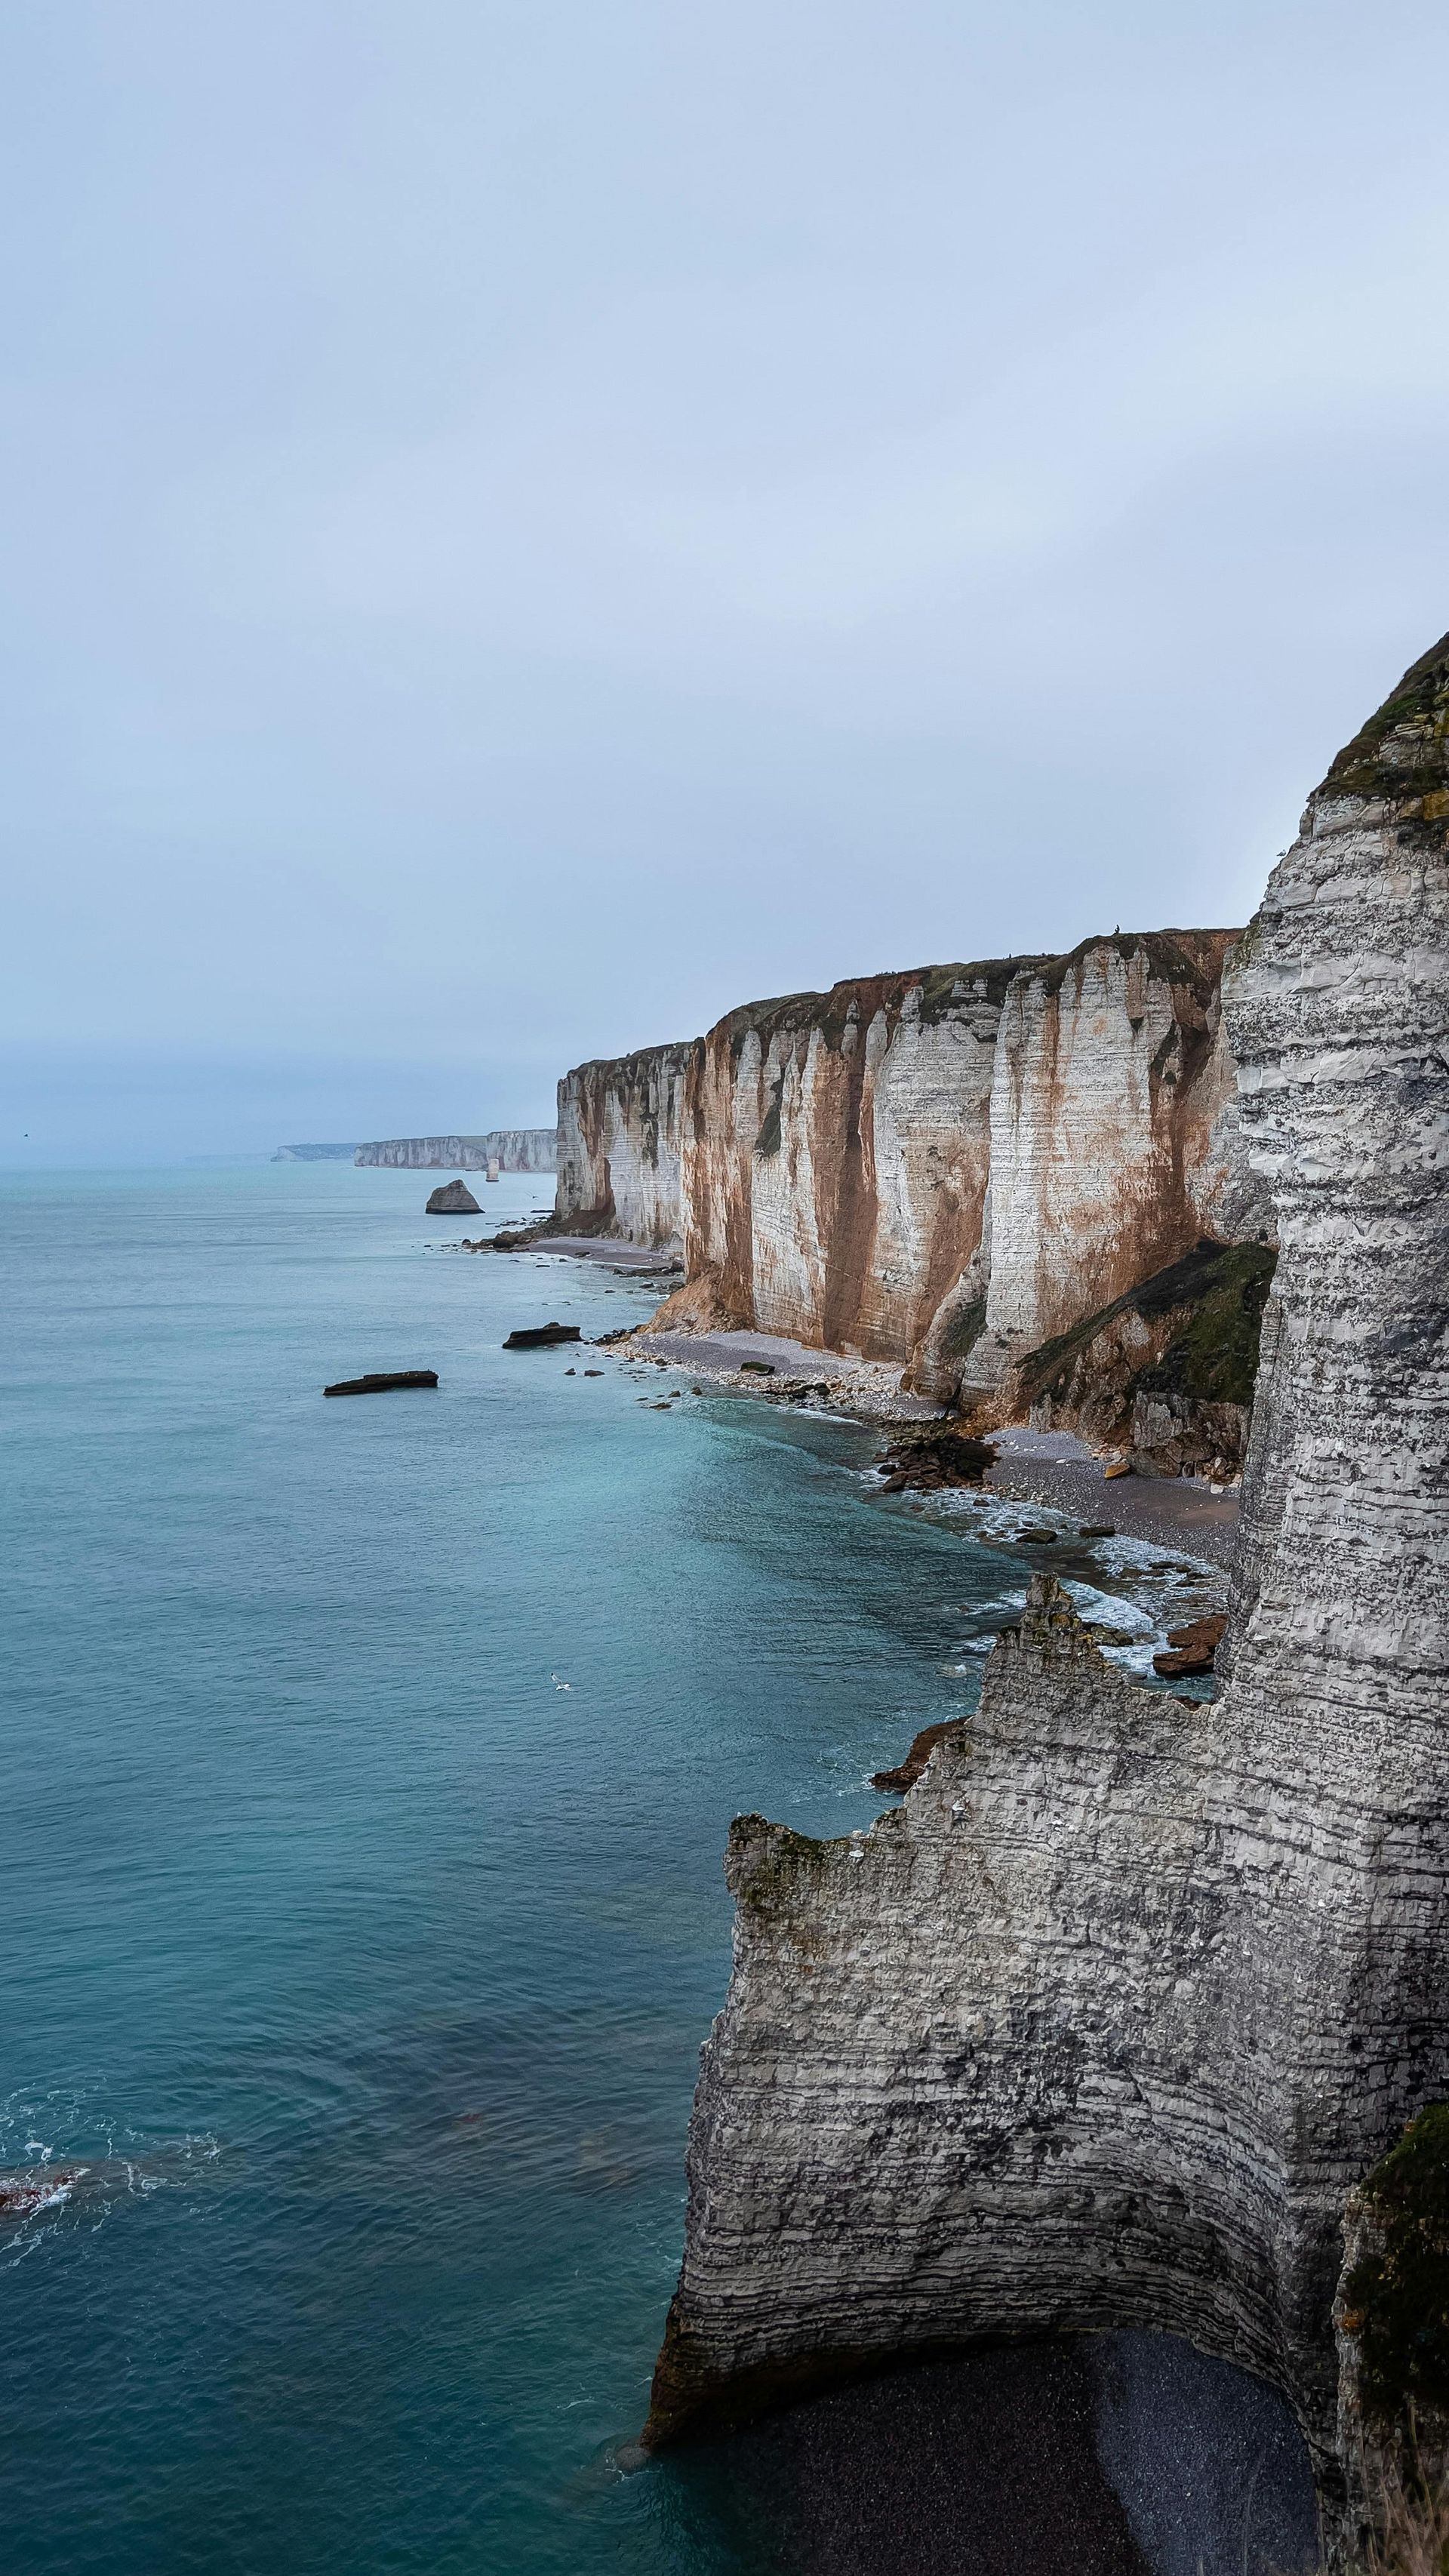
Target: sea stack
column 453, row 1199
column 1106, row 2022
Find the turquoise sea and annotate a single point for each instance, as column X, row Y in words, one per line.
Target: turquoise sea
column 367, row 1767
column 366, row 1771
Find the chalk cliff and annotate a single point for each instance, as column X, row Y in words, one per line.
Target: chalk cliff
column 514, row 1149
column 1107, row 1104
column 619, row 1123
column 1102, row 2025
column 944, row 1167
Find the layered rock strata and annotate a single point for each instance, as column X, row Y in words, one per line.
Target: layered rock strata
column 513, row 1149
column 1104, row 2023
column 619, row 1128
column 912, row 1166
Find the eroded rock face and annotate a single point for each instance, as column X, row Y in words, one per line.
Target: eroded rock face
column 619, row 1124
column 1166, row 1372
column 912, row 1165
column 1104, row 2023
column 837, row 1151
column 1111, row 1082
column 453, row 1199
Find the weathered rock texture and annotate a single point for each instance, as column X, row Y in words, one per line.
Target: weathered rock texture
column 1112, row 1077
column 1392, row 2317
column 453, row 1199
column 937, row 1167
column 1105, row 2022
column 514, row 1149
column 619, row 1122
column 1165, row 1372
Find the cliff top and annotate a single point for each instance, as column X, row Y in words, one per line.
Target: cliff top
column 1193, row 957
column 1403, row 750
column 1190, row 957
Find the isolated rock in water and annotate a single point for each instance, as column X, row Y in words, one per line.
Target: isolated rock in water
column 453, row 1199
column 1190, row 1650
column 541, row 1337
column 382, row 1382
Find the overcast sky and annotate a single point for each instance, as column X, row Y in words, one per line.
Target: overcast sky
column 527, row 525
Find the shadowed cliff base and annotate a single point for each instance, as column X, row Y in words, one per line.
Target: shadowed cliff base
column 1110, row 2455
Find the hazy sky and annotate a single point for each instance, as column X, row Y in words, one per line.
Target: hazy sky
column 525, row 526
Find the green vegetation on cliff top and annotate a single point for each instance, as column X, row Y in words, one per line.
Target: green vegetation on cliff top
column 1213, row 1355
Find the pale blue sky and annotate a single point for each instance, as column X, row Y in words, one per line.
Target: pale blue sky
column 525, row 526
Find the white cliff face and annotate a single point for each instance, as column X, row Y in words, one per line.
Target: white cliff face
column 1104, row 2023
column 514, row 1149
column 836, row 1154
column 944, row 1168
column 1109, row 1081
column 619, row 1145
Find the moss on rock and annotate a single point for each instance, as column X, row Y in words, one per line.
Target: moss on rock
column 1396, row 2298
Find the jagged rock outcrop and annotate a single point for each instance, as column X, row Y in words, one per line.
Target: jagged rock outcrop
column 1105, row 2022
column 513, row 1149
column 619, row 1123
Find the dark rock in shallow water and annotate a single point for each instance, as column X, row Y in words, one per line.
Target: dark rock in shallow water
column 541, row 1337
column 382, row 1382
column 1190, row 1650
column 453, row 1199
column 935, row 1460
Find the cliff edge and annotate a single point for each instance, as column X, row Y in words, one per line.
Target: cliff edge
column 1103, row 2024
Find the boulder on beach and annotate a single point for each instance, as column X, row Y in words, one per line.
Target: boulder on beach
column 453, row 1199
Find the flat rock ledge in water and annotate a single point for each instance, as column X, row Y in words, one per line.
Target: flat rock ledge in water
column 383, row 1382
column 541, row 1337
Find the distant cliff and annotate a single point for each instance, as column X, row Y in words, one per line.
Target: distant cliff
column 516, row 1149
column 1105, row 2023
column 947, row 1167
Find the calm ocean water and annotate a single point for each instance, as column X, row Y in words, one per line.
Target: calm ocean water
column 367, row 1768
